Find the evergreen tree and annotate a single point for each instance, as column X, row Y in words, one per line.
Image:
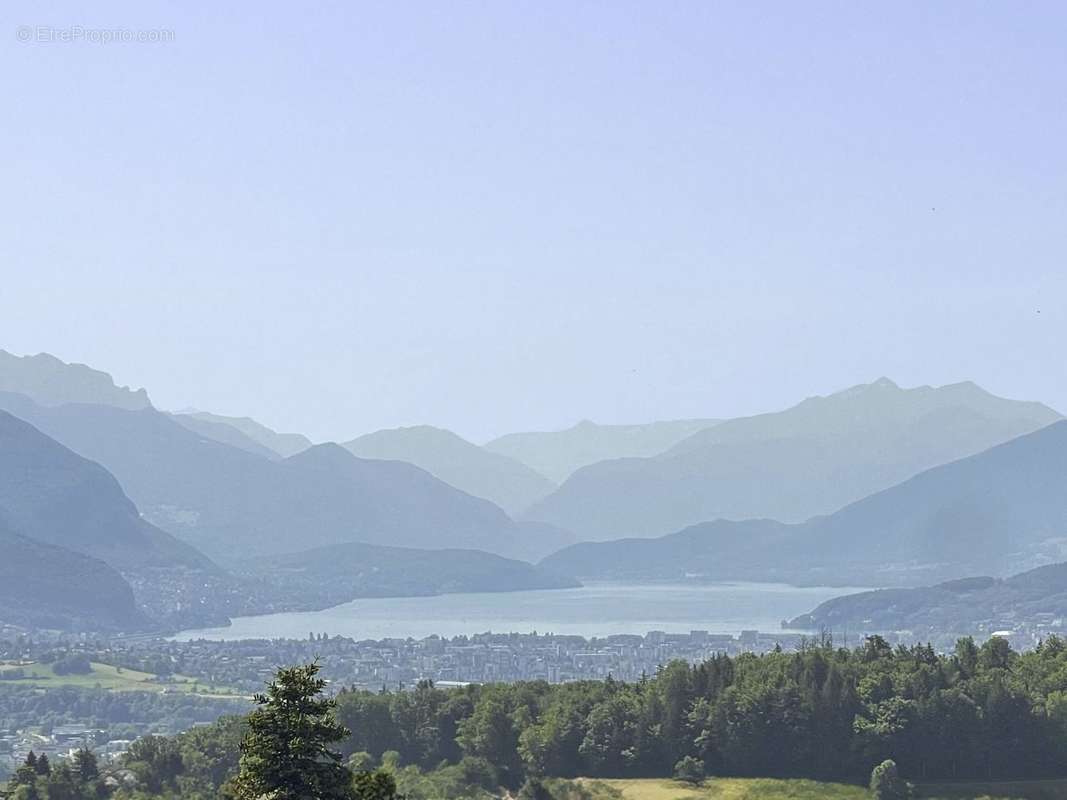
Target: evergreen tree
column 26, row 774
column 43, row 767
column 286, row 753
column 63, row 784
column 85, row 766
column 26, row 792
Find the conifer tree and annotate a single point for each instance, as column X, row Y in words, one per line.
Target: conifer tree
column 286, row 753
column 85, row 765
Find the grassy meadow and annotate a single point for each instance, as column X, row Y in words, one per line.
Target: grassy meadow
column 105, row 676
column 769, row 789
column 725, row 789
column 1017, row 790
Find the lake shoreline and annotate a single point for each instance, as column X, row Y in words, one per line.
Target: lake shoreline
column 597, row 608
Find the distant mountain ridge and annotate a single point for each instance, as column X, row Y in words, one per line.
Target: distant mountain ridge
column 75, row 554
column 557, row 454
column 790, row 465
column 282, row 444
column 509, row 483
column 234, row 505
column 226, row 434
column 52, row 382
column 997, row 512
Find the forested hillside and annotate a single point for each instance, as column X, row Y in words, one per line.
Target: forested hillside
column 45, row 586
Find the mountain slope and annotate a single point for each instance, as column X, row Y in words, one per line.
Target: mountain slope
column 52, row 382
column 49, row 381
column 509, row 483
column 810, row 459
column 222, row 432
column 52, row 495
column 999, row 511
column 233, row 504
column 43, row 586
column 721, row 550
column 283, row 444
column 557, row 454
column 996, row 512
column 953, row 606
column 327, row 576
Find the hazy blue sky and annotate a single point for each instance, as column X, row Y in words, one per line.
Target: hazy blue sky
column 498, row 216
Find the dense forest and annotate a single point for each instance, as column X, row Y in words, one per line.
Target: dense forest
column 823, row 712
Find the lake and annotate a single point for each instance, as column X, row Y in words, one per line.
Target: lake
column 596, row 609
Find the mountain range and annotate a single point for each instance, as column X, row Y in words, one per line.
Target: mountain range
column 875, row 485
column 77, row 554
column 226, row 434
column 244, row 432
column 790, row 465
column 509, row 483
column 233, row 504
column 557, row 454
column 52, row 382
column 999, row 511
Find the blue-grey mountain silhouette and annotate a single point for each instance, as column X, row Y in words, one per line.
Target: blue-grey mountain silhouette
column 52, row 496
column 509, row 483
column 232, row 504
column 52, row 382
column 557, row 454
column 791, row 465
column 997, row 512
column 244, row 432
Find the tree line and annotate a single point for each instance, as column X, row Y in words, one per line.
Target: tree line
column 981, row 713
column 823, row 712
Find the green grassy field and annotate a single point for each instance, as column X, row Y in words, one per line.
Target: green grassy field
column 767, row 789
column 1020, row 790
column 105, row 676
column 733, row 789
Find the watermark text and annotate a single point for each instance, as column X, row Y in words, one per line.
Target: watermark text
column 76, row 34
